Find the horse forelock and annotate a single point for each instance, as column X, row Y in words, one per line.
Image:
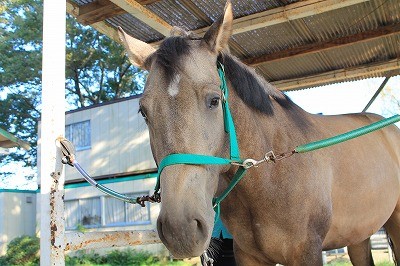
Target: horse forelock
column 169, row 55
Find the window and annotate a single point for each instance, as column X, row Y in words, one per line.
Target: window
column 85, row 212
column 89, row 212
column 119, row 213
column 79, row 134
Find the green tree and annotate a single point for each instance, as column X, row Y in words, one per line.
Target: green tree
column 97, row 70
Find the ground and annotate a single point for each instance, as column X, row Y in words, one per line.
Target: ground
column 381, row 258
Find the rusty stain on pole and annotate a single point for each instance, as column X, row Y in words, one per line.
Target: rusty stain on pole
column 94, row 240
column 57, row 220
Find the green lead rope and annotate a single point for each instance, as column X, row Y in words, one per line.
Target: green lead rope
column 347, row 136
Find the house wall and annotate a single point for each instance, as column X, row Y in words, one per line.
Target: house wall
column 18, row 215
column 143, row 184
column 119, row 140
column 120, row 149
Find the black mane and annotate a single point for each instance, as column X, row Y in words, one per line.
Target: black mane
column 252, row 89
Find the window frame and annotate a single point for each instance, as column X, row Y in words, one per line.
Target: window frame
column 81, row 148
column 80, row 214
column 103, row 224
column 125, row 223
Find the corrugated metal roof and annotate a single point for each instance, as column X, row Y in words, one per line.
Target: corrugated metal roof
column 318, row 27
column 135, row 27
column 176, row 14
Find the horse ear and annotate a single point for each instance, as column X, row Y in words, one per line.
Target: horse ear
column 218, row 34
column 137, row 50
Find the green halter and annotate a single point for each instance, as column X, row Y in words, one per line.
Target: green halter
column 200, row 159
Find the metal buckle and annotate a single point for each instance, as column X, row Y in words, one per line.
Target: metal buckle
column 249, row 163
column 223, row 98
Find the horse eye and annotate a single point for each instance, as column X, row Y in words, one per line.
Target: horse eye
column 214, row 102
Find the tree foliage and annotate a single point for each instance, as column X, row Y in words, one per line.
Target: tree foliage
column 97, row 70
column 23, row 250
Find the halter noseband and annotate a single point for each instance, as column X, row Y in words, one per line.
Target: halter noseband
column 200, row 159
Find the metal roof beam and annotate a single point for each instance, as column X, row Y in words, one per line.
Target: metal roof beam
column 286, row 13
column 388, row 68
column 255, row 21
column 97, row 11
column 323, row 46
column 7, row 140
column 147, row 2
column 146, row 16
column 102, row 26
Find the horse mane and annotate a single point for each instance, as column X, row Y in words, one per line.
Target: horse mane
column 250, row 87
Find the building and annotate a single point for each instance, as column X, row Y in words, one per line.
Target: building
column 18, row 215
column 17, row 207
column 112, row 145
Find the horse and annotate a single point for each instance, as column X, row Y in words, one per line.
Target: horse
column 286, row 212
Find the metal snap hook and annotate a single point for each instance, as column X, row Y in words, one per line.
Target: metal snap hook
column 248, row 163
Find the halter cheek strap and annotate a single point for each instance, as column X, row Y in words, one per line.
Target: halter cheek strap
column 200, row 159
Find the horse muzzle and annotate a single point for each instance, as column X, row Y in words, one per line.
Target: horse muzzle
column 184, row 237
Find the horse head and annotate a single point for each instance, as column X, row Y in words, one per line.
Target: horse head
column 181, row 104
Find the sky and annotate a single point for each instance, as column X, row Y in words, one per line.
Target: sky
column 347, row 97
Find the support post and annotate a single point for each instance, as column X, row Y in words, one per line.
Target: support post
column 383, row 84
column 52, row 126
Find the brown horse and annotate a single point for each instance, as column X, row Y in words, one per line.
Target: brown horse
column 287, row 212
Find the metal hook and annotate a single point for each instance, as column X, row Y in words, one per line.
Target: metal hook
column 208, row 261
column 249, row 163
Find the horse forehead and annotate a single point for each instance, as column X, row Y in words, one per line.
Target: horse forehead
column 200, row 66
column 196, row 67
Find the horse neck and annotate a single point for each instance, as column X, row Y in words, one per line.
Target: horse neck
column 259, row 133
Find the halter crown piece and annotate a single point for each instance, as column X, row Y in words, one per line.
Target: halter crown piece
column 200, row 159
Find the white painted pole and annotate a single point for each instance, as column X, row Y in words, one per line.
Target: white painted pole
column 52, row 126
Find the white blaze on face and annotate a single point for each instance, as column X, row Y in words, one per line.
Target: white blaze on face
column 173, row 87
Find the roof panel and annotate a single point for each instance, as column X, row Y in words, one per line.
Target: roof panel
column 269, row 40
column 295, row 68
column 240, row 8
column 281, row 36
column 136, row 28
column 176, row 14
column 353, row 19
column 383, row 49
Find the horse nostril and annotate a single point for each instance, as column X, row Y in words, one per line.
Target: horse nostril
column 201, row 227
column 160, row 230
